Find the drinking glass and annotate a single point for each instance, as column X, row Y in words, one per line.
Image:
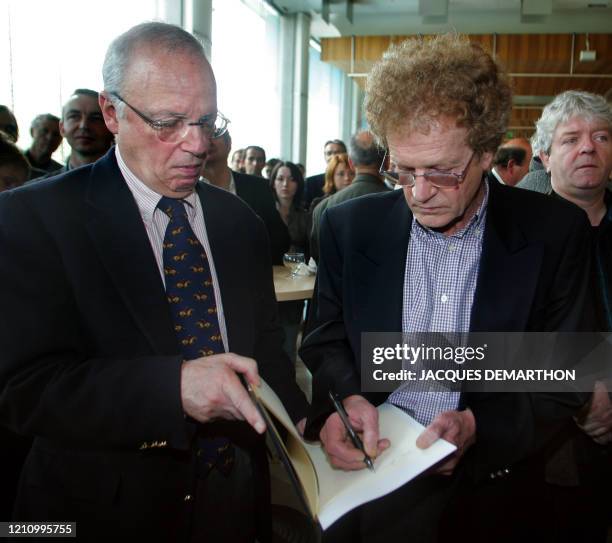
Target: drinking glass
column 293, row 261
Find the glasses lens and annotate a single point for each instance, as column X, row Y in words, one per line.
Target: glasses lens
column 220, row 126
column 172, row 131
column 406, row 179
column 442, row 180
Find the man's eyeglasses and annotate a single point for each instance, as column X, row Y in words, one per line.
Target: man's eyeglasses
column 175, row 129
column 441, row 180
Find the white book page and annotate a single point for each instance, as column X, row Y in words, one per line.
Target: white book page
column 341, row 491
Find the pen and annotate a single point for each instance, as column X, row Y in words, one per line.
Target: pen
column 349, row 429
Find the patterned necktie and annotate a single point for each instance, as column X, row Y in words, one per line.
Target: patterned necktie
column 189, row 285
column 192, row 302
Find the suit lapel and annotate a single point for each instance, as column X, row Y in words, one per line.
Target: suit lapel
column 379, row 271
column 509, row 270
column 233, row 284
column 121, row 240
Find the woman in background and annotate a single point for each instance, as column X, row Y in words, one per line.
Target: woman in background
column 338, row 175
column 287, row 184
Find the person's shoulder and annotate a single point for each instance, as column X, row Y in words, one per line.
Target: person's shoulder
column 231, row 205
column 536, row 180
column 246, row 182
column 366, row 205
column 536, row 212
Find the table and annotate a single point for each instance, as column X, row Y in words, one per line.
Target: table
column 289, row 288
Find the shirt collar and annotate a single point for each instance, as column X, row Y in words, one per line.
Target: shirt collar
column 232, row 185
column 146, row 198
column 497, row 176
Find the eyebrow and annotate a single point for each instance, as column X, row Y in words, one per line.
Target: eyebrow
column 436, row 167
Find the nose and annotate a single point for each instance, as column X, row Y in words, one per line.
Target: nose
column 423, row 190
column 196, row 142
column 586, row 144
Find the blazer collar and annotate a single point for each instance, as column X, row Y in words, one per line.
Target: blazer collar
column 509, row 268
column 120, row 238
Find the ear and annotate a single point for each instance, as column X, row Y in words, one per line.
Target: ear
column 61, row 126
column 511, row 164
column 351, row 164
column 485, row 161
column 109, row 112
column 545, row 160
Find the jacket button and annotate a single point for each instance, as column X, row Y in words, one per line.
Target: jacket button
column 188, row 497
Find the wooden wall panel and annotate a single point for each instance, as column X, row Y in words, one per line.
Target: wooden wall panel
column 551, row 86
column 518, row 53
column 535, row 53
column 602, row 44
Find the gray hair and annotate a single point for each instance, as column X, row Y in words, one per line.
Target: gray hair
column 566, row 105
column 363, row 149
column 164, row 36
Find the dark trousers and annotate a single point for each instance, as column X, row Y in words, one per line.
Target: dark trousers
column 411, row 513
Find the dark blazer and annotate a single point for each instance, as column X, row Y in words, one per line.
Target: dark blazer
column 313, row 188
column 90, row 364
column 256, row 192
column 533, row 276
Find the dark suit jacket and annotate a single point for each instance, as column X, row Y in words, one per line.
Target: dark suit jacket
column 256, row 192
column 90, row 364
column 533, row 276
column 313, row 188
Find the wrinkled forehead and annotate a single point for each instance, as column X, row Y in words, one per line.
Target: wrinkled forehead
column 152, row 69
column 582, row 123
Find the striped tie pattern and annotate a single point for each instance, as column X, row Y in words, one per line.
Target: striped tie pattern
column 192, row 302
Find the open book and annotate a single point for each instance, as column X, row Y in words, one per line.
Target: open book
column 328, row 493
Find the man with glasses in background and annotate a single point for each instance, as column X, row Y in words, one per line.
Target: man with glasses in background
column 443, row 255
column 139, row 302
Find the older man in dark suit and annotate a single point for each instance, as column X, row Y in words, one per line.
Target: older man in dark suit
column 138, row 299
column 442, row 255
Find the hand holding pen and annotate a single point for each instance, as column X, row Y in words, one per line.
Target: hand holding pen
column 362, row 417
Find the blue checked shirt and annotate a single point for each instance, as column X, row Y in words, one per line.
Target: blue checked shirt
column 439, row 285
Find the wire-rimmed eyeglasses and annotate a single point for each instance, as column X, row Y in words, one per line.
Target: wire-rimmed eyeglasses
column 439, row 179
column 175, row 129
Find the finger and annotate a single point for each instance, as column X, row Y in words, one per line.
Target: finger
column 383, row 445
column 337, row 443
column 239, row 398
column 244, row 365
column 369, row 427
column 604, row 440
column 428, row 437
column 596, row 430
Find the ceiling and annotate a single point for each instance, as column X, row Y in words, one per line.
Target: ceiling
column 334, row 18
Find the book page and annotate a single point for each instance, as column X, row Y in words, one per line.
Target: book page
column 341, row 491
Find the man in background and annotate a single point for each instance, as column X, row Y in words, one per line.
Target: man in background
column 8, row 124
column 255, row 191
column 83, row 127
column 46, row 138
column 254, row 160
column 237, row 163
column 313, row 185
column 574, row 135
column 510, row 165
column 365, row 157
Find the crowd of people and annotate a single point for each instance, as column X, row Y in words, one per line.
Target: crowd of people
column 137, row 280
